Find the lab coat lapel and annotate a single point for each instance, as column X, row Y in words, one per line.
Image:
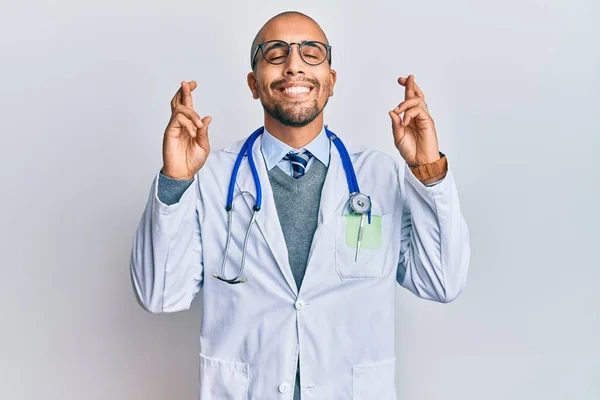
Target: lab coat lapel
column 333, row 197
column 267, row 218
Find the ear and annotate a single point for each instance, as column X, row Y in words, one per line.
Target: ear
column 252, row 85
column 332, row 77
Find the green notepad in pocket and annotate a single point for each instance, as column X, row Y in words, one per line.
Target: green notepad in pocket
column 371, row 234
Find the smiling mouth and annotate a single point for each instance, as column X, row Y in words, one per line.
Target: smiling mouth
column 296, row 90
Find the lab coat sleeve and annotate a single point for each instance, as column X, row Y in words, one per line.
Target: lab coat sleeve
column 166, row 258
column 435, row 249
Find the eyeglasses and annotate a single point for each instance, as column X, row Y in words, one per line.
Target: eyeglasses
column 277, row 52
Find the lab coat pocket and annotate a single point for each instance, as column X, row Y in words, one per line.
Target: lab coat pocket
column 223, row 380
column 374, row 381
column 371, row 255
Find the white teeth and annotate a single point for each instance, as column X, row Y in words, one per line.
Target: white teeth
column 296, row 89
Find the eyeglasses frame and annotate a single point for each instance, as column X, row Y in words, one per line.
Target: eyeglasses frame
column 261, row 46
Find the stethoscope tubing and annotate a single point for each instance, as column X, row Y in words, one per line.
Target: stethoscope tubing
column 346, row 162
column 247, row 150
column 247, row 145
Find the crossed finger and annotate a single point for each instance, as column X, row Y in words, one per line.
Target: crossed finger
column 190, row 115
column 407, row 104
column 411, row 89
column 184, row 95
column 413, row 113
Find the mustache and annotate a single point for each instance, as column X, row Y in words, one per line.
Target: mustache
column 313, row 82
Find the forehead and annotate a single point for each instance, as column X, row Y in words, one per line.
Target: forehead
column 292, row 29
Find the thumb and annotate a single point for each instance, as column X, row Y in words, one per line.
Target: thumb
column 202, row 133
column 396, row 120
column 397, row 128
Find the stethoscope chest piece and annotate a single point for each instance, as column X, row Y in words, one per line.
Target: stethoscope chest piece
column 360, row 203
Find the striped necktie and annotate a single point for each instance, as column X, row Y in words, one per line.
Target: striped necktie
column 299, row 162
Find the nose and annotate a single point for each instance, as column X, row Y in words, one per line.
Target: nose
column 294, row 64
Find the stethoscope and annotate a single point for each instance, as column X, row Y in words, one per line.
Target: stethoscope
column 359, row 202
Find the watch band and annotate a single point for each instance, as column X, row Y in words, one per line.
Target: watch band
column 431, row 170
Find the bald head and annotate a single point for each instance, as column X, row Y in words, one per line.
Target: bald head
column 286, row 17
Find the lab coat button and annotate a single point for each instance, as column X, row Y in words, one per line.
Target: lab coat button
column 299, row 305
column 284, row 387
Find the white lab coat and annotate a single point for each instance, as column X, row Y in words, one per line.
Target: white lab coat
column 341, row 321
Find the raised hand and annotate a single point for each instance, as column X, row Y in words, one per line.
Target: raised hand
column 185, row 143
column 414, row 133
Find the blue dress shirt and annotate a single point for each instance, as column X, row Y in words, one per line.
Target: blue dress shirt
column 273, row 151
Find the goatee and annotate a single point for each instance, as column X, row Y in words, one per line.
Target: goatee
column 293, row 118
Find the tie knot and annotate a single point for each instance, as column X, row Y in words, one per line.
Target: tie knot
column 299, row 162
column 304, row 156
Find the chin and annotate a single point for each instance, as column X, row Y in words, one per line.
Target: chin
column 294, row 115
column 298, row 117
column 296, row 123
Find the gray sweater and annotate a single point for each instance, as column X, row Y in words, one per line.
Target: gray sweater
column 297, row 202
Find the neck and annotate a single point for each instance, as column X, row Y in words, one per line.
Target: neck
column 292, row 136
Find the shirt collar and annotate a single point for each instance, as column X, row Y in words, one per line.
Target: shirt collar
column 274, row 150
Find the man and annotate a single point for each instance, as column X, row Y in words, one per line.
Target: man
column 311, row 312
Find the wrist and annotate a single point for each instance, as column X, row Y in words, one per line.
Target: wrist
column 426, row 159
column 431, row 172
column 176, row 176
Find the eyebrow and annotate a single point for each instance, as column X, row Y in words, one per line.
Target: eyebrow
column 273, row 46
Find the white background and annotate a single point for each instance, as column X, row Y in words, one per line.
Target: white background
column 84, row 99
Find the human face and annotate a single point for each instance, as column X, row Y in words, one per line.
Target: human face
column 293, row 93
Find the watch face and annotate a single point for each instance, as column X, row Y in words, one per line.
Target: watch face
column 360, row 203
